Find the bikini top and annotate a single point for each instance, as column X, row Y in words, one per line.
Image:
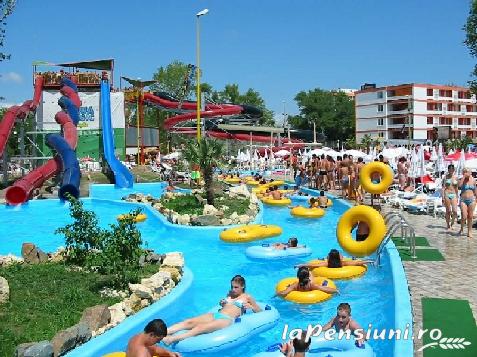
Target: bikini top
column 450, row 182
column 466, row 187
column 238, row 303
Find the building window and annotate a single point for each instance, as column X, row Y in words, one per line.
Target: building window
column 430, row 120
column 445, row 121
column 380, row 121
column 381, row 134
column 380, row 95
column 430, row 92
column 380, row 107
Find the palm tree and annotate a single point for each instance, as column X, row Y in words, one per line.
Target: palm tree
column 367, row 140
column 206, row 153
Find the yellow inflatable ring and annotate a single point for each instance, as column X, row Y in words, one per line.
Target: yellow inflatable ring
column 118, row 354
column 141, row 217
column 384, row 171
column 377, row 230
column 345, row 272
column 280, row 202
column 286, row 191
column 232, row 180
column 249, row 233
column 306, row 297
column 252, row 183
column 273, row 183
column 301, row 211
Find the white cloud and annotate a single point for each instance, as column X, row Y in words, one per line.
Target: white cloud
column 11, row 77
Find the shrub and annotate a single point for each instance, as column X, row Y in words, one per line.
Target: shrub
column 114, row 252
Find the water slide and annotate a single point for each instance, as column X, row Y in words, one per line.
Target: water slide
column 167, row 102
column 65, row 161
column 123, row 178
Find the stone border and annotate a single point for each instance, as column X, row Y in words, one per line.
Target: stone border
column 102, row 345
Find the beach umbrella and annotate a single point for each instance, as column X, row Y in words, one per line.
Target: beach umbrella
column 434, row 154
column 266, row 154
column 413, row 168
column 440, row 159
column 282, row 153
column 421, row 166
column 460, row 164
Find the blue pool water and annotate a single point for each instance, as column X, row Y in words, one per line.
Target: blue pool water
column 214, row 263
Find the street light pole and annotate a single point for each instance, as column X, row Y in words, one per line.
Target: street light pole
column 197, row 68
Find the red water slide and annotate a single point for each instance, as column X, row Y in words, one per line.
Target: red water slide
column 21, row 191
column 19, row 112
column 211, row 111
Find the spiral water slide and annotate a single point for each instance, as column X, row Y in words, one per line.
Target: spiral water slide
column 210, row 111
column 65, row 162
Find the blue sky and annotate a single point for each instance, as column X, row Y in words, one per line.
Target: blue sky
column 275, row 47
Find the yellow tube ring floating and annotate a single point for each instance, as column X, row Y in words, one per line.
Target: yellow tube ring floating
column 232, row 180
column 306, row 297
column 280, row 202
column 377, row 230
column 249, row 233
column 345, row 272
column 384, row 171
column 301, row 211
column 141, row 217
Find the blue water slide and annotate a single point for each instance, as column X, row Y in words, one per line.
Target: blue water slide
column 123, row 178
column 70, row 165
column 66, row 104
column 68, row 82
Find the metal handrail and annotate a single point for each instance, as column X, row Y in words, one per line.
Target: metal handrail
column 407, row 233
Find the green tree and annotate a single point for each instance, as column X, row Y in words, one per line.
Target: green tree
column 332, row 111
column 206, row 153
column 366, row 141
column 174, row 79
column 471, row 39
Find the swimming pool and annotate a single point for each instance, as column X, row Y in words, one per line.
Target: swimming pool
column 213, row 263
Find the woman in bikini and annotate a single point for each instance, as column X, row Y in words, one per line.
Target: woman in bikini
column 233, row 306
column 449, row 195
column 467, row 201
column 334, row 260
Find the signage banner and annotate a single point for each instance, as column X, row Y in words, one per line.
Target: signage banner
column 89, row 111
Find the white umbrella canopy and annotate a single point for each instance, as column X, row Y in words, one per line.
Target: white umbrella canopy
column 471, row 164
column 282, row 153
column 392, row 153
column 172, row 155
column 421, row 167
column 434, row 156
column 354, row 153
column 317, row 152
column 440, row 159
column 459, row 170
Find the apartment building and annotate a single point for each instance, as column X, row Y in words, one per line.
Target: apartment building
column 418, row 111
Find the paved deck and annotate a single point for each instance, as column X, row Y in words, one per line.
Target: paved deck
column 452, row 279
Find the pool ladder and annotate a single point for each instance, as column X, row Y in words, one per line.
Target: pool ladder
column 395, row 221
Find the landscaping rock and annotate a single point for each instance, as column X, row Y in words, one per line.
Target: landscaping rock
column 183, row 219
column 9, row 259
column 32, row 254
column 175, row 273
column 68, row 339
column 209, row 210
column 241, row 190
column 132, row 303
column 174, row 259
column 96, row 317
column 154, row 258
column 206, row 221
column 226, row 221
column 140, row 290
column 34, row 349
column 243, row 219
column 4, row 290
column 117, row 313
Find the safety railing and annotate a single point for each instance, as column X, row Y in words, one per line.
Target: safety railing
column 395, row 221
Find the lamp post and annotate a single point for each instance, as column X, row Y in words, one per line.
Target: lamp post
column 197, row 68
column 409, row 105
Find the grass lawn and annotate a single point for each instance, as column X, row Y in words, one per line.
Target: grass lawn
column 188, row 204
column 45, row 299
